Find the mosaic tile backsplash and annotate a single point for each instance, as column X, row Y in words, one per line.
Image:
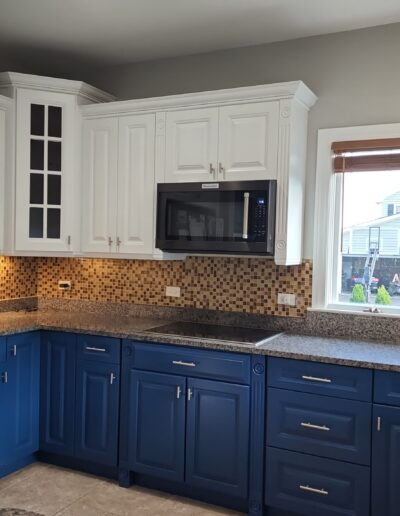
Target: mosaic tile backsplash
column 248, row 285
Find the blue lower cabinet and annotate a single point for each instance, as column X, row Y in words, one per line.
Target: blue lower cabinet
column 97, row 409
column 218, row 436
column 328, row 427
column 314, row 486
column 3, row 349
column 57, row 393
column 386, row 461
column 156, row 422
column 19, row 398
column 24, row 376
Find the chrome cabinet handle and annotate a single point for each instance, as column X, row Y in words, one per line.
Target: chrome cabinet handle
column 314, row 490
column 13, row 350
column 316, row 379
column 4, row 377
column 212, row 169
column 221, row 169
column 98, row 350
column 323, row 428
column 110, row 241
column 378, row 423
column 119, row 241
column 178, row 392
column 185, row 364
column 246, row 196
column 69, row 240
column 112, row 378
column 190, row 394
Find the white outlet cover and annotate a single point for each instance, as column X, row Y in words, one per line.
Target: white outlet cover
column 286, row 299
column 173, row 291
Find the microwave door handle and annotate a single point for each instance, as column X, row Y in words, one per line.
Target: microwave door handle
column 246, row 196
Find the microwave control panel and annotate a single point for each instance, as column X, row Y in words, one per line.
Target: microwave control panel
column 259, row 226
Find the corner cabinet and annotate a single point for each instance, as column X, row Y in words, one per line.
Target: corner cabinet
column 118, row 185
column 42, row 175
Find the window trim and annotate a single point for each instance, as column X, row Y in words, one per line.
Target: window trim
column 327, row 212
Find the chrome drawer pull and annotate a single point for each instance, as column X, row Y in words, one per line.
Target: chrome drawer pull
column 316, row 379
column 314, row 490
column 100, row 350
column 324, row 428
column 186, row 364
column 189, row 394
column 14, row 350
column 178, row 392
column 4, row 377
column 112, row 378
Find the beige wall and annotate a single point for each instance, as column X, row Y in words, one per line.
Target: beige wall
column 356, row 76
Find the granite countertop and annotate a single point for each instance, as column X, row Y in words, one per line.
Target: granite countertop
column 367, row 354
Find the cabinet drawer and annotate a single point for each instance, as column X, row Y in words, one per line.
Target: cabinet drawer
column 229, row 367
column 316, row 378
column 314, row 486
column 387, row 388
column 101, row 349
column 3, row 349
column 337, row 429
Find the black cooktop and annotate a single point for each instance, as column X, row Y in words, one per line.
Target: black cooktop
column 215, row 332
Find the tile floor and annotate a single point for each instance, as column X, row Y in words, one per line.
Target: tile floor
column 50, row 490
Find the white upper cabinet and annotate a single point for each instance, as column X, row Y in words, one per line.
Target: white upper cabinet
column 191, row 150
column 42, row 178
column 44, row 171
column 136, row 184
column 248, row 141
column 118, row 185
column 229, row 143
column 99, row 192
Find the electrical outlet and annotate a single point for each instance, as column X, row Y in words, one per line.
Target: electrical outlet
column 173, row 291
column 64, row 285
column 286, row 299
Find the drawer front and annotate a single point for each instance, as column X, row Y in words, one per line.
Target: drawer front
column 228, row 367
column 334, row 428
column 387, row 388
column 316, row 378
column 315, row 486
column 101, row 349
column 3, row 349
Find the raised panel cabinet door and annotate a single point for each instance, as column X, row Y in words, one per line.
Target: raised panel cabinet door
column 386, row 461
column 97, row 412
column 6, row 413
column 156, row 421
column 24, row 379
column 191, row 145
column 46, row 157
column 99, row 195
column 248, row 141
column 57, row 392
column 217, row 436
column 136, row 193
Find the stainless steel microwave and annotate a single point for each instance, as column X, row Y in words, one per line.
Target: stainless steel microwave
column 216, row 218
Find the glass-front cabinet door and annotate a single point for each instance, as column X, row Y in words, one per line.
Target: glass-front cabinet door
column 45, row 157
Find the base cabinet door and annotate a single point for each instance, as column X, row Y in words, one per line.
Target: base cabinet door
column 97, row 402
column 217, row 436
column 24, row 374
column 157, row 424
column 7, row 408
column 57, row 393
column 386, row 461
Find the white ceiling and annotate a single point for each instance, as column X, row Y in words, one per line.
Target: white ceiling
column 123, row 31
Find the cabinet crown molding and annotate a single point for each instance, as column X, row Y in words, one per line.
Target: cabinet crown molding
column 277, row 91
column 85, row 91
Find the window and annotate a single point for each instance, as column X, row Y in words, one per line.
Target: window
column 357, row 238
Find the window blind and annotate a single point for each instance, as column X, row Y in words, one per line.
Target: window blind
column 366, row 155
